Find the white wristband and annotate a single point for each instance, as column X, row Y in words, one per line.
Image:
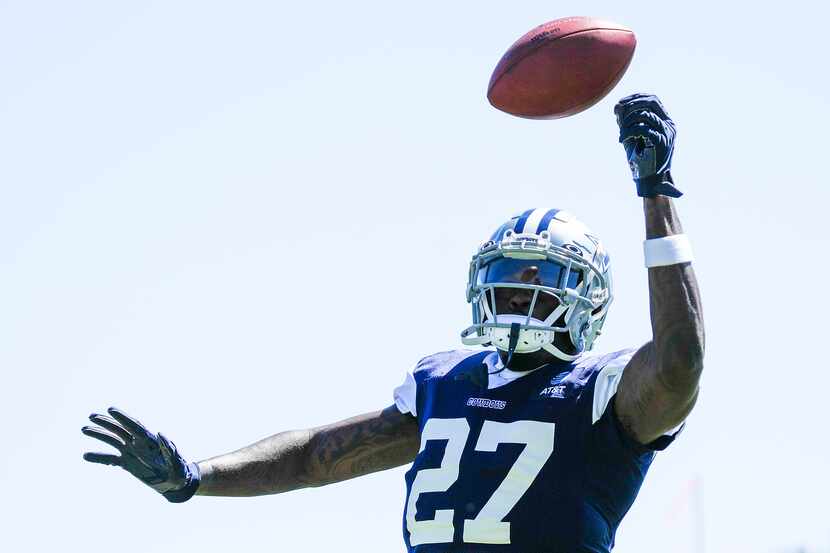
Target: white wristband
column 668, row 250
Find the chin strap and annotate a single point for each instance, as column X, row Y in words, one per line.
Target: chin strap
column 514, row 341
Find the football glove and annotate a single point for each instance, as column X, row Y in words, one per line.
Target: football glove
column 647, row 134
column 151, row 458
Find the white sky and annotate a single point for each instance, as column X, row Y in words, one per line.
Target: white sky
column 231, row 219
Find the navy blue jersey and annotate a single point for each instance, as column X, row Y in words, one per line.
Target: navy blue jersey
column 518, row 463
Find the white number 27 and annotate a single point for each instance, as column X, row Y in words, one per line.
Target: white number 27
column 488, row 526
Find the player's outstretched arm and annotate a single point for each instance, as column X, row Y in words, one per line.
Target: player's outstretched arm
column 660, row 384
column 286, row 461
column 324, row 455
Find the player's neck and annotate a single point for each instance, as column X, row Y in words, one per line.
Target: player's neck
column 524, row 362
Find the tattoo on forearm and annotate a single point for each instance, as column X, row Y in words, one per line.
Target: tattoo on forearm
column 304, row 458
column 364, row 444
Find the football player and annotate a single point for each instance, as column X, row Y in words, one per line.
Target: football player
column 534, row 445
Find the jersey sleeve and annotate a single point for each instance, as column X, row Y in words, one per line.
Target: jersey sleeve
column 608, row 379
column 609, row 374
column 405, row 394
column 432, row 367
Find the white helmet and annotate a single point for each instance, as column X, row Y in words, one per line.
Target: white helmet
column 569, row 263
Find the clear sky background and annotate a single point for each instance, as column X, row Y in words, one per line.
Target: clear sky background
column 235, row 218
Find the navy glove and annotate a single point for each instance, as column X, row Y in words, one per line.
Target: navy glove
column 151, row 458
column 647, row 134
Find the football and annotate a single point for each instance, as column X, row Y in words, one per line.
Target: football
column 561, row 67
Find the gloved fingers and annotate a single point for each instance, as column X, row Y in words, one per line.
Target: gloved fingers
column 645, row 117
column 640, row 102
column 621, row 107
column 132, row 425
column 168, row 450
column 103, row 458
column 632, row 97
column 643, row 131
column 110, row 424
column 639, row 119
column 104, row 436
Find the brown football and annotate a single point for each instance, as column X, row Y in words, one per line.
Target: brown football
column 561, row 68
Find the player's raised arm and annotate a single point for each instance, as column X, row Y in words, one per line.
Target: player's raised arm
column 283, row 462
column 660, row 384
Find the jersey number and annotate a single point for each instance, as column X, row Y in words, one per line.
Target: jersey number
column 488, row 526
